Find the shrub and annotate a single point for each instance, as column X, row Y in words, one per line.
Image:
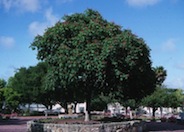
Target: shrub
column 172, row 119
column 163, row 119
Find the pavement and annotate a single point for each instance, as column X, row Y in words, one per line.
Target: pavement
column 18, row 124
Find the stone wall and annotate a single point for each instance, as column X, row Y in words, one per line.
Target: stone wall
column 130, row 126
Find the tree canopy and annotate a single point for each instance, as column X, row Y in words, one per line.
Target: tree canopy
column 89, row 55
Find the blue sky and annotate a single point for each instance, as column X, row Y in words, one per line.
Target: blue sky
column 158, row 22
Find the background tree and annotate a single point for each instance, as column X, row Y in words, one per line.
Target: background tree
column 12, row 99
column 155, row 100
column 130, row 103
column 97, row 55
column 2, row 86
column 20, row 83
column 8, row 97
column 158, row 97
column 2, row 83
column 40, row 94
column 164, row 97
column 100, row 102
column 30, row 84
column 175, row 98
column 160, row 74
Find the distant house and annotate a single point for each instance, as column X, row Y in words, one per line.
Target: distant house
column 115, row 108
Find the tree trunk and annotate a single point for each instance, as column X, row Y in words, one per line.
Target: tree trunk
column 37, row 107
column 47, row 107
column 154, row 110
column 126, row 111
column 161, row 111
column 50, row 106
column 88, row 111
column 66, row 107
column 29, row 106
column 75, row 107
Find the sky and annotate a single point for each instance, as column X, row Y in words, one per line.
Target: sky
column 158, row 22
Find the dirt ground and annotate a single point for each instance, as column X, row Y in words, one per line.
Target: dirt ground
column 18, row 124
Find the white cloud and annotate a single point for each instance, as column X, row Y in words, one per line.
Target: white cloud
column 7, row 42
column 37, row 27
column 169, row 45
column 50, row 17
column 142, row 3
column 21, row 5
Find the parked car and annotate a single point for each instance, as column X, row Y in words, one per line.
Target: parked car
column 53, row 111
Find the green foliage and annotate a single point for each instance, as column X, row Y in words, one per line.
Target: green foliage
column 175, row 98
column 88, row 55
column 164, row 97
column 2, row 83
column 156, row 99
column 1, row 98
column 160, row 74
column 12, row 98
column 130, row 103
column 20, row 83
column 2, row 86
column 100, row 102
column 29, row 82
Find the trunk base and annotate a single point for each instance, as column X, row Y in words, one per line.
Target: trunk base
column 87, row 118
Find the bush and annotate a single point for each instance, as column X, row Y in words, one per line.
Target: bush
column 33, row 113
column 172, row 119
column 163, row 119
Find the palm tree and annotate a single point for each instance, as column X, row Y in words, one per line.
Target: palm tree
column 160, row 74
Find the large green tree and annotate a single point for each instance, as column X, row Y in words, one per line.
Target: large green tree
column 87, row 51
